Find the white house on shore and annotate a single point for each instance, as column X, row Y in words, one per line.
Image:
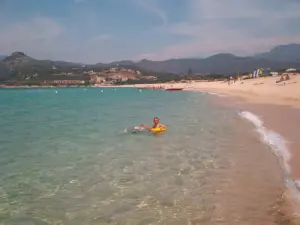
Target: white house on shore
column 291, row 70
column 274, row 74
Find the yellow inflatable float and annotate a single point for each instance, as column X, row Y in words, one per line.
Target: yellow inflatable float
column 158, row 129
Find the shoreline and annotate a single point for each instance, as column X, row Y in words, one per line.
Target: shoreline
column 267, row 115
column 278, row 110
column 273, row 109
column 262, row 90
column 279, row 135
column 275, row 122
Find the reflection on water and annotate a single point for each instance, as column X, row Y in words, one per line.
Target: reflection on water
column 204, row 170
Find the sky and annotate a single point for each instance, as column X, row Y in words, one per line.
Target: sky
column 92, row 31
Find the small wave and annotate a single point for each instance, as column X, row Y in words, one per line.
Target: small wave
column 217, row 94
column 271, row 138
column 278, row 145
column 135, row 129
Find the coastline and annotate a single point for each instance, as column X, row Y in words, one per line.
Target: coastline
column 280, row 132
column 274, row 112
column 263, row 90
column 279, row 108
column 260, row 115
column 62, row 86
column 275, row 107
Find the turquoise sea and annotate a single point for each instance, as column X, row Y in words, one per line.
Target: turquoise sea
column 65, row 158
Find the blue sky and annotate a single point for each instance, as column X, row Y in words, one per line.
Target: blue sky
column 91, row 31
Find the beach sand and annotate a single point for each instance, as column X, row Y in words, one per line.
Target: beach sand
column 283, row 120
column 260, row 90
column 278, row 107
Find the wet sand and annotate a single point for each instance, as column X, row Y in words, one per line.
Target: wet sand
column 254, row 194
column 278, row 106
column 285, row 121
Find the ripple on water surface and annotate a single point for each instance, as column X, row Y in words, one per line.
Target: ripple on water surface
column 76, row 166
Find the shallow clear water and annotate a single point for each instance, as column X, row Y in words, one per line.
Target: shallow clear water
column 65, row 158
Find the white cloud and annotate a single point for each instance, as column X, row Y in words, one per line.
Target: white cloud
column 236, row 9
column 210, row 26
column 44, row 38
column 35, row 30
column 241, row 27
column 152, row 6
column 208, row 46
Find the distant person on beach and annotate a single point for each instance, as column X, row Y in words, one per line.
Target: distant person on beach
column 156, row 124
column 287, row 77
column 283, row 77
column 235, row 79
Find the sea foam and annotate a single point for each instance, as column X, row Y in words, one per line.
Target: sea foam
column 271, row 138
column 217, row 94
column 279, row 146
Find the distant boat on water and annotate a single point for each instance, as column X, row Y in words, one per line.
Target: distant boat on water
column 160, row 88
column 174, row 89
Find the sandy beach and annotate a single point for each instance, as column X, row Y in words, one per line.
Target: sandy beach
column 276, row 107
column 277, row 104
column 259, row 90
column 263, row 90
column 273, row 110
column 255, row 189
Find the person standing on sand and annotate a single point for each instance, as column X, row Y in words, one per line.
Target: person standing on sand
column 228, row 80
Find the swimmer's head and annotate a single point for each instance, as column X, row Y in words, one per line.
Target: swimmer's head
column 156, row 120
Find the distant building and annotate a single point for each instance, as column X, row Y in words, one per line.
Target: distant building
column 113, row 70
column 91, row 72
column 97, row 79
column 149, row 77
column 274, row 73
column 66, row 82
column 291, row 70
column 117, row 77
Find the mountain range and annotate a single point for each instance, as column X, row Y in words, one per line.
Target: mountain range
column 283, row 56
column 282, row 53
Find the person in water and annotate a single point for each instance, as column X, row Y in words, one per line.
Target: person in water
column 156, row 124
